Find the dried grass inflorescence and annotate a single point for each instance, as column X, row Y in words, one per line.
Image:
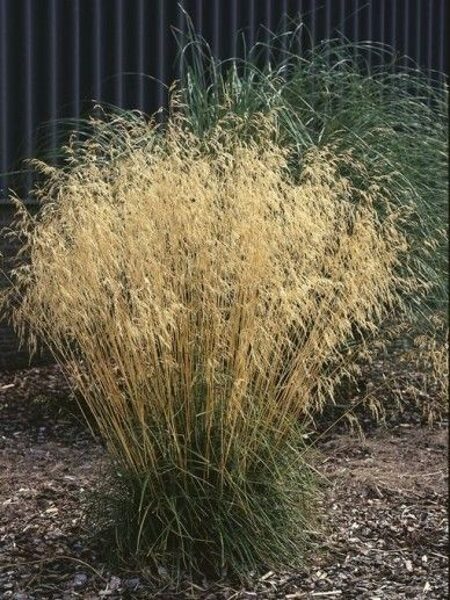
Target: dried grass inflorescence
column 388, row 112
column 201, row 298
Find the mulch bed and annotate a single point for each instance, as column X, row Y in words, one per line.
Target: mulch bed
column 385, row 530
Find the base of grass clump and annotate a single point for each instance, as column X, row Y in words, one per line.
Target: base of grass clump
column 199, row 522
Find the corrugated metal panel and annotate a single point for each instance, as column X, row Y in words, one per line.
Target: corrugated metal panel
column 56, row 56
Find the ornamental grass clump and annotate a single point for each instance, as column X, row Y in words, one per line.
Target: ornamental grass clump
column 357, row 97
column 201, row 299
column 392, row 116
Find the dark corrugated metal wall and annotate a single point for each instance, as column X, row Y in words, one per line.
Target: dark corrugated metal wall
column 58, row 55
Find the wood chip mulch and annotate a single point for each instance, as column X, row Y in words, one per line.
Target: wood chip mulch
column 385, row 531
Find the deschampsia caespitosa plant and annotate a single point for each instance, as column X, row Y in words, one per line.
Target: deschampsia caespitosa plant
column 200, row 298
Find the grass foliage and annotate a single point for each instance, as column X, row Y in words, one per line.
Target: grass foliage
column 391, row 116
column 200, row 296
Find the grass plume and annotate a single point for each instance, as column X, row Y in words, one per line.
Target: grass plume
column 357, row 97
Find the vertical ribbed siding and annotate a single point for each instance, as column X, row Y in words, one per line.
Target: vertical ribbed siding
column 96, row 33
column 4, row 114
column 76, row 56
column 161, row 73
column 27, row 40
column 216, row 26
column 57, row 57
column 53, row 69
column 119, row 52
column 443, row 37
column 379, row 17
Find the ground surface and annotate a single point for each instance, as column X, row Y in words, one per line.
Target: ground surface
column 386, row 497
